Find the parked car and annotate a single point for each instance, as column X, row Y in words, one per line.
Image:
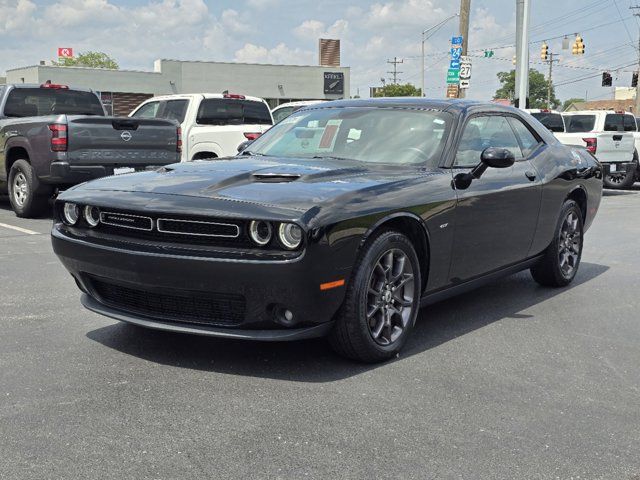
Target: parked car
column 53, row 136
column 551, row 119
column 603, row 133
column 340, row 220
column 213, row 124
column 283, row 110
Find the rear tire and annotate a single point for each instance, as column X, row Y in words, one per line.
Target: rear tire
column 626, row 181
column 28, row 199
column 382, row 300
column 562, row 257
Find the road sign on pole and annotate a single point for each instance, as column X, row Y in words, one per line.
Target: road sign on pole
column 465, row 68
column 453, row 76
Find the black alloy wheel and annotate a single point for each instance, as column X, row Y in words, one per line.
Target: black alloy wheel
column 382, row 300
column 562, row 257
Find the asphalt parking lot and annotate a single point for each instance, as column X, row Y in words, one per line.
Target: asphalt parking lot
column 510, row 381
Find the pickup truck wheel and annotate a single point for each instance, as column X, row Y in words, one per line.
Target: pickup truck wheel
column 381, row 302
column 624, row 181
column 562, row 257
column 25, row 193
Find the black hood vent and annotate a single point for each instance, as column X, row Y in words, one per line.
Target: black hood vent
column 276, row 177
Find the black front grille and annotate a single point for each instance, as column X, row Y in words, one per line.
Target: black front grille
column 214, row 309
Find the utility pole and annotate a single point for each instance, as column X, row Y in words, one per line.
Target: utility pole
column 636, row 13
column 395, row 71
column 465, row 8
column 550, row 80
column 522, row 52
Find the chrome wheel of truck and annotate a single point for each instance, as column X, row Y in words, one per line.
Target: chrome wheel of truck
column 27, row 197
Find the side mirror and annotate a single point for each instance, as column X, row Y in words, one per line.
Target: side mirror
column 244, row 145
column 493, row 157
column 497, row 157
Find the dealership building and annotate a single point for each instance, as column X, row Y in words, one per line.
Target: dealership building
column 122, row 90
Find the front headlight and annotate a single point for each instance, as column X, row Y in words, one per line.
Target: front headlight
column 290, row 235
column 260, row 232
column 70, row 213
column 92, row 215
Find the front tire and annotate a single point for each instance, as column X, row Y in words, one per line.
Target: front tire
column 382, row 300
column 25, row 192
column 562, row 257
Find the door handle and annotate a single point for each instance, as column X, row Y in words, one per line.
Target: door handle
column 530, row 175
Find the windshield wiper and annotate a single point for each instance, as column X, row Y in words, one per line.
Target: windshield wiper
column 252, row 154
column 331, row 157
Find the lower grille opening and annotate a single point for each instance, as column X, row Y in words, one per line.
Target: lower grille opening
column 214, row 309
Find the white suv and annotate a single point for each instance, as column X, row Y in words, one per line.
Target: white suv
column 213, row 124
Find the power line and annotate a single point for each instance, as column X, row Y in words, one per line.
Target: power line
column 395, row 71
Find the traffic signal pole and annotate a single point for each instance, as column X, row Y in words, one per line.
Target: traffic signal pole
column 550, row 82
column 522, row 52
column 635, row 10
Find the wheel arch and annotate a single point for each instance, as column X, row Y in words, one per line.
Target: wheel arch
column 203, row 155
column 414, row 228
column 16, row 151
column 579, row 195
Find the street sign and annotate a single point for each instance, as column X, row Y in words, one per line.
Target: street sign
column 465, row 70
column 454, row 64
column 453, row 76
column 456, row 40
column 464, row 84
column 452, row 91
column 456, row 53
column 65, row 52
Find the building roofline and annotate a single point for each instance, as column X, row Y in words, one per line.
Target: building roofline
column 247, row 63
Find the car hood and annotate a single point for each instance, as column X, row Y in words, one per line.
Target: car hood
column 296, row 184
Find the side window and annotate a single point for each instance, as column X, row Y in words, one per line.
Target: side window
column 282, row 113
column 148, row 110
column 482, row 132
column 175, row 110
column 527, row 140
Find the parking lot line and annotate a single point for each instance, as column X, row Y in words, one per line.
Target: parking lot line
column 19, row 229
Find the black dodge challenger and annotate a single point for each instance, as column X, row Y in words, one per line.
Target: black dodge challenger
column 342, row 220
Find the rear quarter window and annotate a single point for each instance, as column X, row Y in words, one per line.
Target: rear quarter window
column 222, row 111
column 579, row 123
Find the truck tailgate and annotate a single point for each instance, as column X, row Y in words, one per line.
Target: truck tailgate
column 615, row 147
column 127, row 142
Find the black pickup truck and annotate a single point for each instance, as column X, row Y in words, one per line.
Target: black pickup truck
column 53, row 136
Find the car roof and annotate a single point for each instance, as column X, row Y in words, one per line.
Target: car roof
column 301, row 103
column 199, row 95
column 450, row 105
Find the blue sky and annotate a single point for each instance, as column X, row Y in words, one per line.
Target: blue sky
column 137, row 32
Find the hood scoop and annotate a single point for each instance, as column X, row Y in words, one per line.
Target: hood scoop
column 275, row 177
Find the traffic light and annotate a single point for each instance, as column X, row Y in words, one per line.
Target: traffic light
column 606, row 79
column 578, row 46
column 544, row 52
column 634, row 79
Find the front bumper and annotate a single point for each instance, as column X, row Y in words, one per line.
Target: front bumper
column 265, row 288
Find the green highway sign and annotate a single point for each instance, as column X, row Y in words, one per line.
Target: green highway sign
column 453, row 76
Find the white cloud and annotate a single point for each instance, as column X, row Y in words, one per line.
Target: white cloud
column 15, row 15
column 404, row 13
column 280, row 54
column 314, row 29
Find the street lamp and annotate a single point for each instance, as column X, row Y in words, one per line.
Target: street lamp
column 433, row 30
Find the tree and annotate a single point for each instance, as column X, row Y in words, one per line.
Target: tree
column 397, row 90
column 569, row 101
column 89, row 59
column 538, row 85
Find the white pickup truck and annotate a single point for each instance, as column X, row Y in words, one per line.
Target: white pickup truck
column 609, row 135
column 213, row 124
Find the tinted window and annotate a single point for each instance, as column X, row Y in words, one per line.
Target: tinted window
column 282, row 113
column 175, row 110
column 224, row 111
column 483, row 132
column 553, row 121
column 614, row 122
column 528, row 141
column 629, row 123
column 148, row 110
column 579, row 123
column 31, row 102
column 374, row 135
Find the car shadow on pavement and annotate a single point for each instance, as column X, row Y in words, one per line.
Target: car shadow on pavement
column 6, row 206
column 313, row 360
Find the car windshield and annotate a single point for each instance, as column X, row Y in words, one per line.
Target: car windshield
column 579, row 123
column 553, row 121
column 33, row 102
column 375, row 135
